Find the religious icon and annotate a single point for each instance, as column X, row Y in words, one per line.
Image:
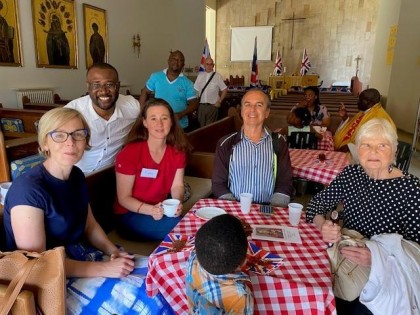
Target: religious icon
column 96, row 37
column 10, row 50
column 55, row 33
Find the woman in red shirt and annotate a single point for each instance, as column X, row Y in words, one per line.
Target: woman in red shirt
column 149, row 169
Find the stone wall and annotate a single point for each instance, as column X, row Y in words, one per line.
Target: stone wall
column 334, row 32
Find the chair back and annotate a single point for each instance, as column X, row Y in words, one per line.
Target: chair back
column 303, row 140
column 404, row 153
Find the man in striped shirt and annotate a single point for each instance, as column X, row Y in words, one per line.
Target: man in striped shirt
column 253, row 160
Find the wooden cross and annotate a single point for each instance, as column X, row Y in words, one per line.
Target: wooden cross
column 293, row 19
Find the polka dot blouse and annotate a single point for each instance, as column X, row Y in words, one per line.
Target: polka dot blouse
column 372, row 206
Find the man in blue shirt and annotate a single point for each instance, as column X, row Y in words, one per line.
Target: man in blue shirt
column 175, row 88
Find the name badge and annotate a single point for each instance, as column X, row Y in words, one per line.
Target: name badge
column 149, row 173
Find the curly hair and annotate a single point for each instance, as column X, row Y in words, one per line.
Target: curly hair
column 221, row 244
column 304, row 115
column 176, row 136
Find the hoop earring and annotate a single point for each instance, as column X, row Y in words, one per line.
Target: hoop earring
column 390, row 168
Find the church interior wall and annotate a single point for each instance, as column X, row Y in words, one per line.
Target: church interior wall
column 162, row 25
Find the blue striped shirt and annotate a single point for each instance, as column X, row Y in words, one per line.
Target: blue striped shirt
column 251, row 168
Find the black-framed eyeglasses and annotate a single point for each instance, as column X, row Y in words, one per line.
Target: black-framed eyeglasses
column 62, row 136
column 98, row 86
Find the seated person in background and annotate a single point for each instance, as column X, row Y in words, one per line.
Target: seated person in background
column 377, row 197
column 149, row 169
column 253, row 160
column 110, row 116
column 48, row 206
column 214, row 282
column 369, row 107
column 319, row 113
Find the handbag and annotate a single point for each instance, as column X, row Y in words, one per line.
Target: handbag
column 41, row 273
column 349, row 278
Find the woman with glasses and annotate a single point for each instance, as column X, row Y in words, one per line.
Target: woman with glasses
column 48, row 206
column 149, row 169
column 377, row 198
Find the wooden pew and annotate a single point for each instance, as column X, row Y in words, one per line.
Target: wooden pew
column 204, row 141
column 28, row 117
column 44, row 107
column 17, row 145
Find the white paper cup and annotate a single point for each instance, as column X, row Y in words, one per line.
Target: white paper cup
column 295, row 211
column 246, row 200
column 4, row 188
column 170, row 206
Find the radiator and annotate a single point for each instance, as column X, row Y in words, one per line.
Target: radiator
column 38, row 96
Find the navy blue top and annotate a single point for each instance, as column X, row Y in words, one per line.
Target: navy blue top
column 64, row 202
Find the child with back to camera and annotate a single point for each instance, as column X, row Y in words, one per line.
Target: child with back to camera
column 299, row 120
column 214, row 282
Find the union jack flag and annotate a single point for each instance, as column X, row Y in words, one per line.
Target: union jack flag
column 254, row 71
column 173, row 243
column 278, row 68
column 204, row 56
column 260, row 261
column 306, row 64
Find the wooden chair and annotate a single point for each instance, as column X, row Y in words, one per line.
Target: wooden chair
column 303, row 140
column 404, row 153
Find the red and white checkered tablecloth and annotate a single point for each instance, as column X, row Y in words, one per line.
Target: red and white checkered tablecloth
column 305, row 164
column 301, row 285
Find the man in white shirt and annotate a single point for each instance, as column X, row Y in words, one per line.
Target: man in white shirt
column 210, row 100
column 110, row 116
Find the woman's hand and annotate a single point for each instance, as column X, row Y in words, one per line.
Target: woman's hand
column 303, row 103
column 120, row 265
column 179, row 209
column 342, row 112
column 358, row 255
column 157, row 211
column 331, row 233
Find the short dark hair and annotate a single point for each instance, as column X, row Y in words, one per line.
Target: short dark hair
column 304, row 115
column 102, row 65
column 221, row 244
column 371, row 95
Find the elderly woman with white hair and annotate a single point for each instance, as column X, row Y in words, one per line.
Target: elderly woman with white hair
column 377, row 197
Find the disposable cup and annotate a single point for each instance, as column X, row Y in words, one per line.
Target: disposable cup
column 4, row 188
column 245, row 200
column 170, row 206
column 295, row 211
